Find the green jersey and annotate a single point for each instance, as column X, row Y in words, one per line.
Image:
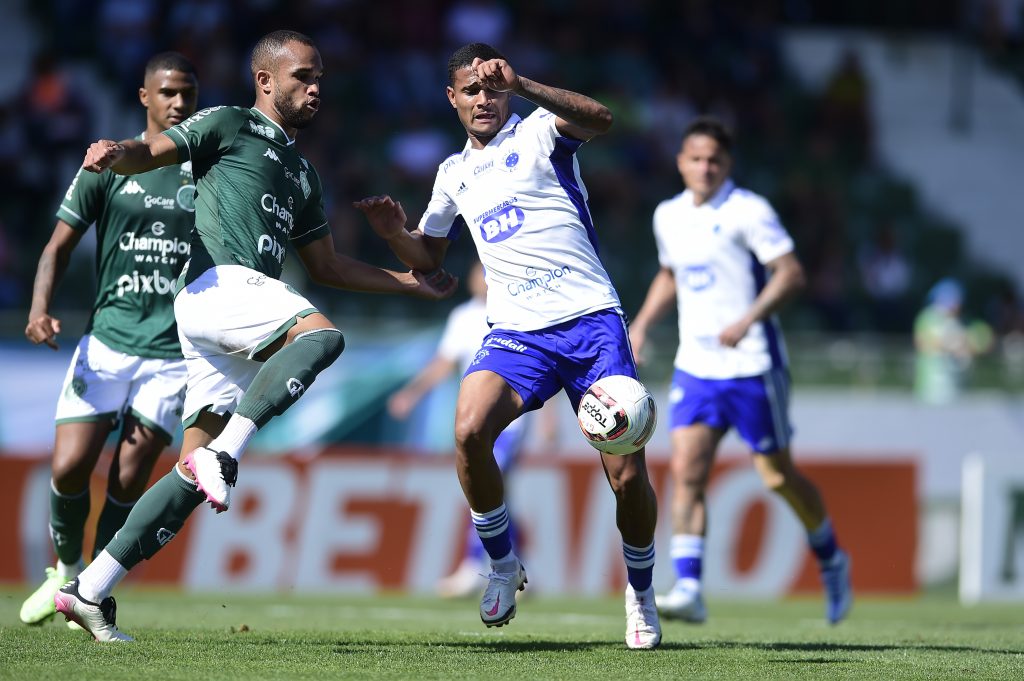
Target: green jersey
column 142, row 243
column 254, row 192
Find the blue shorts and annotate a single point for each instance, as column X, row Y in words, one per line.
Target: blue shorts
column 571, row 355
column 757, row 406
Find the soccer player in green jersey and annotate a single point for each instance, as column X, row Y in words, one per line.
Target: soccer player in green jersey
column 128, row 367
column 252, row 344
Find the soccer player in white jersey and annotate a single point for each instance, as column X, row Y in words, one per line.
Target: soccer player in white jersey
column 128, row 367
column 461, row 339
column 717, row 243
column 555, row 317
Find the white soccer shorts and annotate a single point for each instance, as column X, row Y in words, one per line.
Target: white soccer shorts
column 225, row 317
column 103, row 383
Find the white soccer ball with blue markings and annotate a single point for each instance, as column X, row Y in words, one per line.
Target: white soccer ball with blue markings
column 617, row 415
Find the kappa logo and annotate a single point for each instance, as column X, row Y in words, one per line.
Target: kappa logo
column 272, row 155
column 132, row 187
column 163, row 535
column 295, row 387
column 462, row 189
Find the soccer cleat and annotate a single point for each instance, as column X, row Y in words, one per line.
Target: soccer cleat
column 215, row 473
column 498, row 604
column 467, row 580
column 643, row 629
column 97, row 619
column 838, row 593
column 38, row 608
column 686, row 604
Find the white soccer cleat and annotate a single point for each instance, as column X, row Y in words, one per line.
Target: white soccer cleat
column 215, row 473
column 838, row 593
column 643, row 629
column 681, row 603
column 99, row 619
column 467, row 580
column 498, row 604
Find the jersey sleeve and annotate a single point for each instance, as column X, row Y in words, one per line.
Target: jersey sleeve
column 312, row 221
column 764, row 234
column 541, row 126
column 83, row 201
column 206, row 133
column 441, row 219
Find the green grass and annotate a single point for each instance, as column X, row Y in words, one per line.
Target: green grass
column 243, row 637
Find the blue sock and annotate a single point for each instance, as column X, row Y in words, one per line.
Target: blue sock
column 493, row 528
column 823, row 541
column 687, row 552
column 639, row 565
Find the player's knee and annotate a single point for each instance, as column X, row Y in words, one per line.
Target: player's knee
column 326, row 345
column 472, row 433
column 70, row 476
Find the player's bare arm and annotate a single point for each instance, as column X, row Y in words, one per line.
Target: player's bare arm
column 130, row 157
column 401, row 404
column 661, row 297
column 415, row 249
column 786, row 281
column 43, row 328
column 330, row 268
column 579, row 116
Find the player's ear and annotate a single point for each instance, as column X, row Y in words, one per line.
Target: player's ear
column 144, row 97
column 263, row 79
column 451, row 95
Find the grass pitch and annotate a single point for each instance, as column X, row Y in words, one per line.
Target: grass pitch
column 280, row 637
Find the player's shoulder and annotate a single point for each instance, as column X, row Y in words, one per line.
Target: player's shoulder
column 218, row 114
column 672, row 204
column 748, row 199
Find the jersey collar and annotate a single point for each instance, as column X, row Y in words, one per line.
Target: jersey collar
column 511, row 123
column 267, row 118
column 715, row 201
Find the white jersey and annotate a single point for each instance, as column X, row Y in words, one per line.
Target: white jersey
column 717, row 252
column 464, row 333
column 522, row 199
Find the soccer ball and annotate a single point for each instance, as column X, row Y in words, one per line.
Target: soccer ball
column 617, row 415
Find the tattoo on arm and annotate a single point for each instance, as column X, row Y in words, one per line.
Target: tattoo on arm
column 572, row 107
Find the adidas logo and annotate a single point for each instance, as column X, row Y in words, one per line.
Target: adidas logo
column 462, row 189
column 272, row 155
column 132, row 187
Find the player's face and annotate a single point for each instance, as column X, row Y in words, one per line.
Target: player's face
column 296, row 84
column 704, row 165
column 481, row 111
column 169, row 97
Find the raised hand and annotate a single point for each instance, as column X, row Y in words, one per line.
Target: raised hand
column 495, row 74
column 101, row 155
column 43, row 329
column 385, row 215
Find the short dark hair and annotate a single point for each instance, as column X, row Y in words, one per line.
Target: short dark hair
column 168, row 61
column 264, row 55
column 710, row 127
column 465, row 55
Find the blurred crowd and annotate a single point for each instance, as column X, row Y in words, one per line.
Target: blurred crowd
column 871, row 251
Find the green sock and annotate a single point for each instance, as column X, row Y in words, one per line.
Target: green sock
column 155, row 519
column 68, row 514
column 112, row 518
column 288, row 374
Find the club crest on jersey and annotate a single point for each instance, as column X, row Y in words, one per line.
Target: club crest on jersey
column 186, row 197
column 503, row 224
column 511, row 161
column 304, row 183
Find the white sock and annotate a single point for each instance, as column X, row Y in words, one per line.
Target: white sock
column 509, row 563
column 99, row 579
column 236, row 435
column 68, row 572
